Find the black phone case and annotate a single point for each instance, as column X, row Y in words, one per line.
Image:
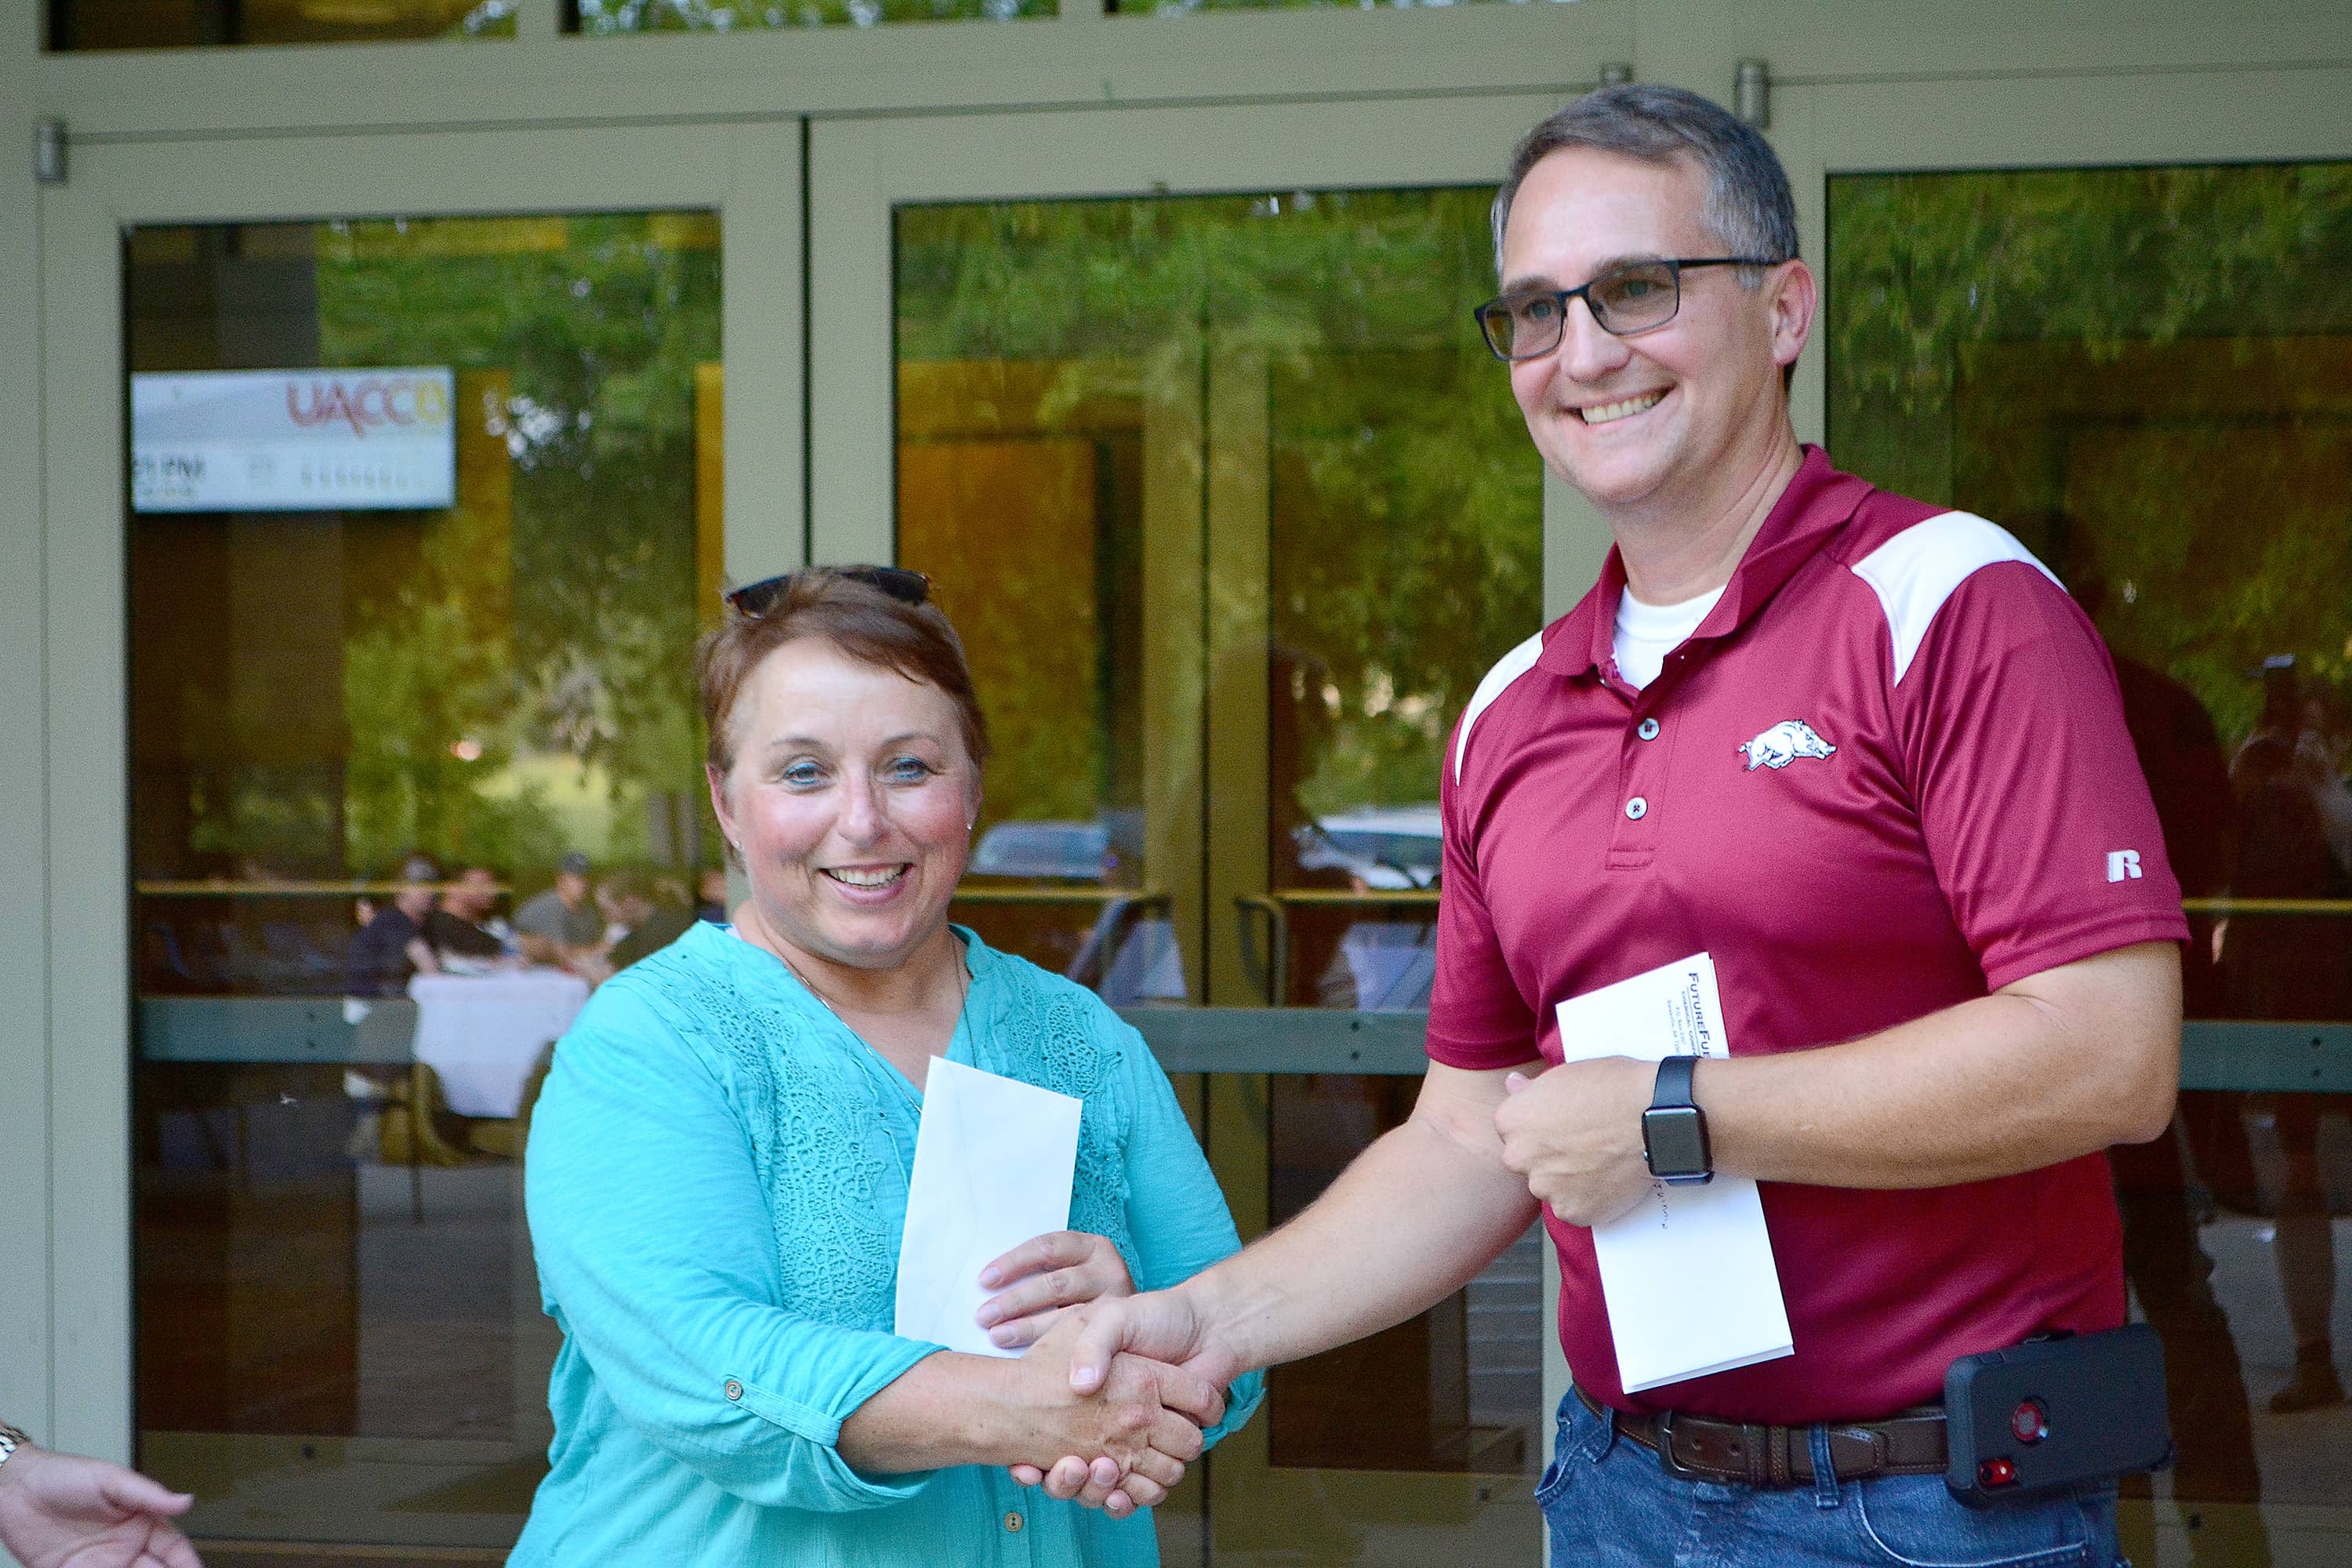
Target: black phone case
column 2099, row 1399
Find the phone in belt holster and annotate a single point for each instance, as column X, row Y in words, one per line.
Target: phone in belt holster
column 2038, row 1418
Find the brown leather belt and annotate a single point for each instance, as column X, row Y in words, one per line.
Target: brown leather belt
column 1700, row 1449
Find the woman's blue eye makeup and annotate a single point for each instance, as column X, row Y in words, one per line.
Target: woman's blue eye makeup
column 800, row 773
column 909, row 769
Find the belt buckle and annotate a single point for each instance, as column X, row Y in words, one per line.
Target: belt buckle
column 1666, row 1459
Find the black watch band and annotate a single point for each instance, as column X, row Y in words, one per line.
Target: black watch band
column 1674, row 1130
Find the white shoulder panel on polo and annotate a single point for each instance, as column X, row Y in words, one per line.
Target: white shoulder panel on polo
column 1915, row 572
column 1508, row 668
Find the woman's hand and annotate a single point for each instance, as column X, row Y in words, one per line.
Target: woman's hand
column 1161, row 1327
column 1144, row 1427
column 1048, row 1275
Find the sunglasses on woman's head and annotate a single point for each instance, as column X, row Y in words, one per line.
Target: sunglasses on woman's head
column 906, row 587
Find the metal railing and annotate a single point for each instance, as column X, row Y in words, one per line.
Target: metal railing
column 2216, row 1054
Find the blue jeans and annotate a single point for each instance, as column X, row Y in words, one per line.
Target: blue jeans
column 1609, row 1504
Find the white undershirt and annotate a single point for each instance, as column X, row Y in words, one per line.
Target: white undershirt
column 1647, row 633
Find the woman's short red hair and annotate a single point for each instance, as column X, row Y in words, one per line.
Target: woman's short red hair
column 859, row 618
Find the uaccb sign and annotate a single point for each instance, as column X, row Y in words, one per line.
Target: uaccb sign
column 294, row 440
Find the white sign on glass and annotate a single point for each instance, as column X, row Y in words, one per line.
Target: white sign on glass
column 294, row 440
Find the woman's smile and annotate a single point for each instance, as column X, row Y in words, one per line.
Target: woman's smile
column 869, row 879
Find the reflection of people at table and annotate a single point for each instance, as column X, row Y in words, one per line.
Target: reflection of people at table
column 461, row 931
column 632, row 901
column 391, row 946
column 561, row 925
column 61, row 1510
column 2294, row 832
column 718, row 1168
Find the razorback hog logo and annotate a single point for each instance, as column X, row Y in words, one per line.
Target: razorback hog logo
column 1783, row 743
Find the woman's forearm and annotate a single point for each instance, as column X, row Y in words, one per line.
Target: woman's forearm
column 946, row 1409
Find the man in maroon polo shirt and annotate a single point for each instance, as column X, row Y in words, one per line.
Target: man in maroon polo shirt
column 1866, row 754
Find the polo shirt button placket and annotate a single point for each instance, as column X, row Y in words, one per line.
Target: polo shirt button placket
column 1642, row 771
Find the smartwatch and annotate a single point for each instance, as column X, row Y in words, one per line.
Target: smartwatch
column 1674, row 1130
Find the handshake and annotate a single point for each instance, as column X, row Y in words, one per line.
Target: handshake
column 1109, row 1402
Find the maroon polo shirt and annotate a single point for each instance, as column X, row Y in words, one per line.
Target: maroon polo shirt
column 1887, row 774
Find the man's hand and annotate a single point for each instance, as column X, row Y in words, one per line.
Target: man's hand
column 1574, row 1133
column 60, row 1510
column 1160, row 1325
column 1048, row 1275
column 1142, row 1423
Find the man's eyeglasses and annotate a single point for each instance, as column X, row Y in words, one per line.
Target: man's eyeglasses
column 906, row 587
column 1639, row 297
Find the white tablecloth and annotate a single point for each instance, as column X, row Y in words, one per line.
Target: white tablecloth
column 483, row 1033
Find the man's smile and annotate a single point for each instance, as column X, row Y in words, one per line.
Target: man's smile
column 1622, row 408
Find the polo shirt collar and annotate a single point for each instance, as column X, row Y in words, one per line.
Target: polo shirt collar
column 1818, row 503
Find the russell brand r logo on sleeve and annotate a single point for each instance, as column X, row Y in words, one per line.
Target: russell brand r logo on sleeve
column 2123, row 865
column 1783, row 743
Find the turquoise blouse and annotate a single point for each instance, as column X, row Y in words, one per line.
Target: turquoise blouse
column 716, row 1184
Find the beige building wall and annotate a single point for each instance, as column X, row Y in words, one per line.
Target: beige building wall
column 24, row 1240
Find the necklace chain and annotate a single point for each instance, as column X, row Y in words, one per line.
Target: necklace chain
column 898, row 1079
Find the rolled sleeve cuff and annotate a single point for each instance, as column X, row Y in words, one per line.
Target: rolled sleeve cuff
column 837, row 1484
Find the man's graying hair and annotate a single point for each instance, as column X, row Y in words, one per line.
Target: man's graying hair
column 1749, row 209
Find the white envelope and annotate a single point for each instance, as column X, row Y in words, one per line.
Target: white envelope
column 994, row 1159
column 1688, row 1275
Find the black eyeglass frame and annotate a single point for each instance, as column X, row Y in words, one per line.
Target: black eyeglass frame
column 755, row 599
column 1500, row 304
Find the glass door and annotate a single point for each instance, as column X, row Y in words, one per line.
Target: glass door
column 391, row 531
column 1219, row 483
column 2116, row 320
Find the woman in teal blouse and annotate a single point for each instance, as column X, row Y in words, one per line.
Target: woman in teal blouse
column 717, row 1165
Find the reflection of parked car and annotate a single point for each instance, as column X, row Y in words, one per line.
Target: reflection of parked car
column 1070, row 850
column 1387, row 848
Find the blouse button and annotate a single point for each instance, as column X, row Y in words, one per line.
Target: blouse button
column 734, row 1389
column 1647, row 728
column 1636, row 809
column 1013, row 1523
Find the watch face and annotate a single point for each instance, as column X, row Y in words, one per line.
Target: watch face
column 1675, row 1139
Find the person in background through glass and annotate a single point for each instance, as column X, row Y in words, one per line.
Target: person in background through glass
column 718, row 1172
column 391, row 946
column 710, row 892
column 464, row 932
column 2165, row 1189
column 561, row 925
column 653, row 918
column 2294, row 841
